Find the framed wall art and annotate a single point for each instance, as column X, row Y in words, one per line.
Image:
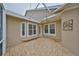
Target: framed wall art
column 68, row 25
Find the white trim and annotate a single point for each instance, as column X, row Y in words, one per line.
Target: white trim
column 21, row 29
column 55, row 29
column 49, row 29
column 4, row 33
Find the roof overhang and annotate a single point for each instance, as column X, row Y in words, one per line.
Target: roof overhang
column 10, row 13
column 57, row 16
column 60, row 8
column 52, row 18
column 70, row 8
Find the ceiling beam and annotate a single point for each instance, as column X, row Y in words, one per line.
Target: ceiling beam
column 44, row 6
column 37, row 5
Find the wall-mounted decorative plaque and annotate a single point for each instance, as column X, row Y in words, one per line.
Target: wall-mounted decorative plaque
column 68, row 25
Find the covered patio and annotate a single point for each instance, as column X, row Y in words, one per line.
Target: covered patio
column 39, row 47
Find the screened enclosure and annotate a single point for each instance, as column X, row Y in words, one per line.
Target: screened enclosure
column 1, row 30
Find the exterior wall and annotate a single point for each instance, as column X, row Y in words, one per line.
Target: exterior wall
column 70, row 39
column 13, row 31
column 78, row 24
column 58, row 31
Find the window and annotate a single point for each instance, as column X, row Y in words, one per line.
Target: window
column 23, row 29
column 32, row 29
column 39, row 29
column 46, row 28
column 50, row 29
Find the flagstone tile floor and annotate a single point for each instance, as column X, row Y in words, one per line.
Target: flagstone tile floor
column 39, row 47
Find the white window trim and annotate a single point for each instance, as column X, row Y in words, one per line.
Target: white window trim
column 55, row 29
column 28, row 30
column 49, row 29
column 21, row 30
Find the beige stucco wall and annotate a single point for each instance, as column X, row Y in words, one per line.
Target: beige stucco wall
column 58, row 31
column 70, row 39
column 13, row 31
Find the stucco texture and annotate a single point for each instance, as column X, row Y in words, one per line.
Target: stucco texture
column 70, row 39
column 13, row 25
column 58, row 31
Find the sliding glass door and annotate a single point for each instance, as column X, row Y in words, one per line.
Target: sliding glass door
column 1, row 30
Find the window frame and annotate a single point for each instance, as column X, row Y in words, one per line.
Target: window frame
column 23, row 36
column 32, row 29
column 49, row 29
column 55, row 29
column 44, row 28
column 29, row 29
